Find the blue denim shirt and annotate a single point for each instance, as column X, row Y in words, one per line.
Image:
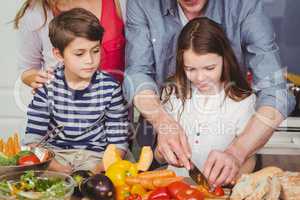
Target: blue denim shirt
column 152, row 29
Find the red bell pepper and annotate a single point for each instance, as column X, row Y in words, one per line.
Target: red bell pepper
column 176, row 187
column 160, row 193
column 190, row 194
column 134, row 197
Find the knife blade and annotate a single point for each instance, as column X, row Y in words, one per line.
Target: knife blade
column 198, row 176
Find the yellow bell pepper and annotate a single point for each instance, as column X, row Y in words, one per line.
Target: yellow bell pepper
column 119, row 170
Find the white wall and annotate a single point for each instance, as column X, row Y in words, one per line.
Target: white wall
column 12, row 107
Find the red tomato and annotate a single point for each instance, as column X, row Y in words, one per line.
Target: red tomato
column 189, row 194
column 219, row 191
column 177, row 186
column 29, row 160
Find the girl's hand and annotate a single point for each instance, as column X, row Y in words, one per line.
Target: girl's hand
column 221, row 168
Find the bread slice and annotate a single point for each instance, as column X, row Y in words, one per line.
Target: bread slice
column 290, row 184
column 261, row 190
column 275, row 189
column 244, row 188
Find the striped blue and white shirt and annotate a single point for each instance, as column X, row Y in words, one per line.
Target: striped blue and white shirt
column 57, row 104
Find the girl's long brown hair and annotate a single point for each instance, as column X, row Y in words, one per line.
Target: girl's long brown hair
column 204, row 36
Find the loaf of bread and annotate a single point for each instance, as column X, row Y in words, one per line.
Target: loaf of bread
column 261, row 185
column 290, row 184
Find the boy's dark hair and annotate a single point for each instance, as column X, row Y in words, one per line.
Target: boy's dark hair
column 76, row 22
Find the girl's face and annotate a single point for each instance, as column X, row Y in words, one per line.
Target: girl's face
column 204, row 71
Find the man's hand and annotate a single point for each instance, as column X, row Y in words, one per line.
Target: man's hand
column 221, row 168
column 172, row 143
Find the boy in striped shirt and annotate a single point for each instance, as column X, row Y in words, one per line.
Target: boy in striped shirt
column 86, row 102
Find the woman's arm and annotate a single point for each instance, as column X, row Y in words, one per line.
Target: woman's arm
column 119, row 9
column 29, row 45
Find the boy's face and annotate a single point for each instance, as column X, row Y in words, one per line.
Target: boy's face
column 81, row 58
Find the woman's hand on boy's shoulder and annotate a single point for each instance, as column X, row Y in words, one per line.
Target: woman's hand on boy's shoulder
column 41, row 78
column 35, row 78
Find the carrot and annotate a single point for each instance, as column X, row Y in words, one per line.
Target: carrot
column 131, row 180
column 147, row 184
column 1, row 145
column 153, row 179
column 157, row 174
column 10, row 146
column 163, row 182
column 152, row 183
column 5, row 149
column 17, row 143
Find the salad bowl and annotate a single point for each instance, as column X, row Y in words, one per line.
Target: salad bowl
column 44, row 155
column 36, row 185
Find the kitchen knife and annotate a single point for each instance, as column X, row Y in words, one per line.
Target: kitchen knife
column 198, row 176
